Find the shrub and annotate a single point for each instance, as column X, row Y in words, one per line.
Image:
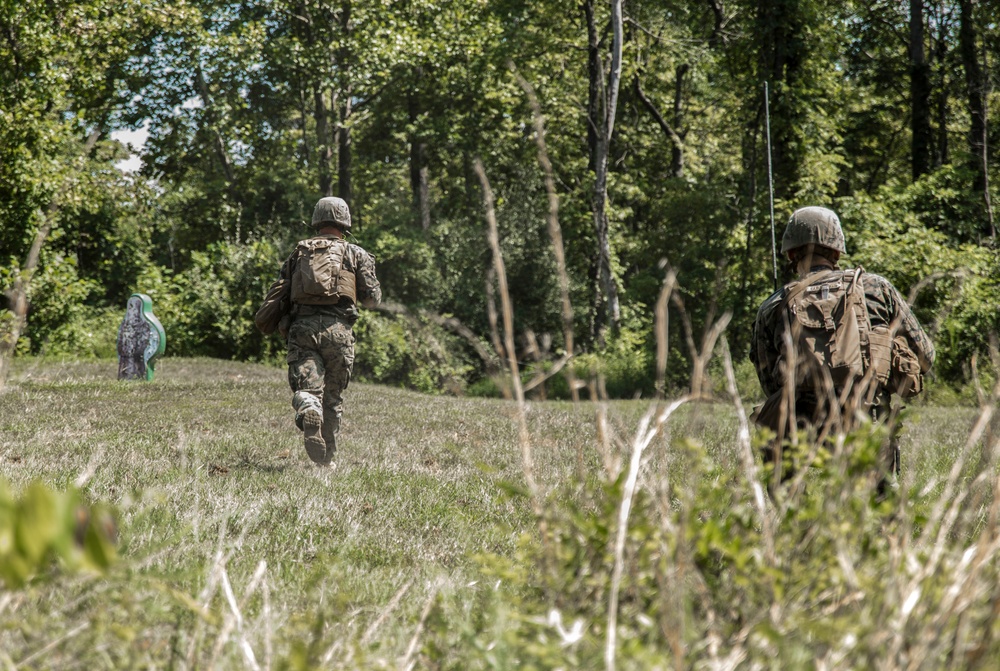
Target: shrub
column 91, row 333
column 958, row 282
column 410, row 353
column 207, row 310
column 56, row 301
column 42, row 525
column 825, row 575
column 625, row 365
column 407, row 269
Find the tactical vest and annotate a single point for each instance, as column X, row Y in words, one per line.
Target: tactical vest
column 319, row 277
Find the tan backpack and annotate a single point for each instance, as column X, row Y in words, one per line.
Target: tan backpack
column 319, row 276
column 836, row 351
column 830, row 332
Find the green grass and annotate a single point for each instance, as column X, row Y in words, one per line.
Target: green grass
column 207, row 472
column 206, row 458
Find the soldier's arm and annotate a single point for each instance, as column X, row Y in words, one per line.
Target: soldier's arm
column 910, row 328
column 286, row 268
column 763, row 354
column 369, row 291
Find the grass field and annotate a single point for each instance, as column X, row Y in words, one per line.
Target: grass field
column 235, row 551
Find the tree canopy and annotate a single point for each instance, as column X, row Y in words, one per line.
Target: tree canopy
column 655, row 126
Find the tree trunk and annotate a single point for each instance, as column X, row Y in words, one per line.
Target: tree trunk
column 941, row 95
column 324, row 143
column 783, row 49
column 604, row 125
column 595, row 89
column 418, row 163
column 920, row 94
column 718, row 29
column 673, row 136
column 303, row 107
column 345, row 188
column 975, row 86
column 677, row 156
column 418, row 182
column 218, row 144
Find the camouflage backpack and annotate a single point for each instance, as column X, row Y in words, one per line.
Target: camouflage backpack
column 319, row 277
column 830, row 332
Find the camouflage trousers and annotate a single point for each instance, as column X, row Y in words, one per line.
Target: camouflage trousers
column 887, row 467
column 320, row 362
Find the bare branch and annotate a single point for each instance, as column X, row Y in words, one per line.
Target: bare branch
column 555, row 230
column 493, row 236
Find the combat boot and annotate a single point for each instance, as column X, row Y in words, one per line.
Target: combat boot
column 309, row 418
column 331, row 427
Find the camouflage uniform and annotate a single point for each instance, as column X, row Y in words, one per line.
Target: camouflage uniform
column 321, row 343
column 885, row 307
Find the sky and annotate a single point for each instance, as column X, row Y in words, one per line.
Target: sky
column 134, row 140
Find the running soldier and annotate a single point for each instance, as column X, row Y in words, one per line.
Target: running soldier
column 314, row 304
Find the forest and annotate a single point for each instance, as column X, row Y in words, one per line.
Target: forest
column 625, row 144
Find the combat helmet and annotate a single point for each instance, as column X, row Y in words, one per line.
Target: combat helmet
column 332, row 211
column 813, row 225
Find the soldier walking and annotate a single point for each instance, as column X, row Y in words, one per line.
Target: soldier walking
column 833, row 345
column 314, row 303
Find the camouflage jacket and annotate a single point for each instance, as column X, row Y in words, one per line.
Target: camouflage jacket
column 886, row 307
column 356, row 260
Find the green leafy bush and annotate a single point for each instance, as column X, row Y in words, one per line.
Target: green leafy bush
column 955, row 285
column 90, row 333
column 410, row 353
column 625, row 365
column 407, row 268
column 42, row 526
column 56, row 300
column 207, row 310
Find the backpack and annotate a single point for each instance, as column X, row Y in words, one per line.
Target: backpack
column 319, row 276
column 275, row 306
column 837, row 354
column 830, row 333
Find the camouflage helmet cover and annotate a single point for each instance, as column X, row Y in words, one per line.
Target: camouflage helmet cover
column 813, row 225
column 332, row 211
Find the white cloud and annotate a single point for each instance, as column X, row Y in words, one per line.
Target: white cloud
column 135, row 141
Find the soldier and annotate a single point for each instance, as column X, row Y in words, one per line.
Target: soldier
column 833, row 343
column 319, row 288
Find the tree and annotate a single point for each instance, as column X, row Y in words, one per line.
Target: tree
column 975, row 86
column 602, row 109
column 920, row 94
column 58, row 99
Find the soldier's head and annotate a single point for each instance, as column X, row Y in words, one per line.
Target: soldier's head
column 331, row 212
column 813, row 231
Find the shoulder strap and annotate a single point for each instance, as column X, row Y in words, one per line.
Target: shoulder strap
column 864, row 322
column 795, row 289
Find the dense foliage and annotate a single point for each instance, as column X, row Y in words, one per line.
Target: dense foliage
column 255, row 109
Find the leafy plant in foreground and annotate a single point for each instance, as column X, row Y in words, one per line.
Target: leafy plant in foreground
column 43, row 525
column 830, row 575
